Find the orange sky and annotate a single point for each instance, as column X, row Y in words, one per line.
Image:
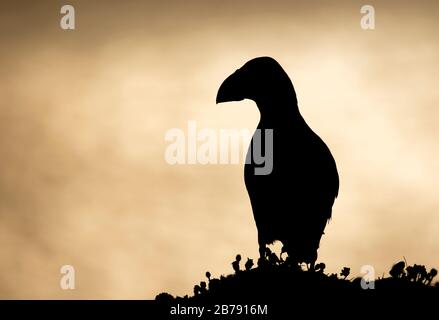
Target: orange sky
column 83, row 114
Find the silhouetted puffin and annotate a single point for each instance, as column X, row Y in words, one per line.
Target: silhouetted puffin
column 293, row 203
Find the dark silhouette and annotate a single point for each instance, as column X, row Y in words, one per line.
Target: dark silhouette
column 397, row 270
column 345, row 272
column 278, row 280
column 235, row 264
column 249, row 264
column 294, row 202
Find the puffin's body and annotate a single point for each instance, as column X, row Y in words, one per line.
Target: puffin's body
column 293, row 202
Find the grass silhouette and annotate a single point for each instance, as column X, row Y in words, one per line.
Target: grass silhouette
column 277, row 279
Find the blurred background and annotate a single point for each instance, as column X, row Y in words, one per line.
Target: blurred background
column 83, row 114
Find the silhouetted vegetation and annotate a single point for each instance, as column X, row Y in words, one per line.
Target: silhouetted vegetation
column 275, row 278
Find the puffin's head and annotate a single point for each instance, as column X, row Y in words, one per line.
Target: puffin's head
column 261, row 80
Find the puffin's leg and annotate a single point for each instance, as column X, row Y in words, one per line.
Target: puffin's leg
column 311, row 266
column 262, row 246
column 261, row 261
column 313, row 260
column 262, row 250
column 285, row 249
column 293, row 258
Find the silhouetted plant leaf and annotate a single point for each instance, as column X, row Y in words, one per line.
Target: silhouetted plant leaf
column 397, row 270
column 248, row 264
column 345, row 272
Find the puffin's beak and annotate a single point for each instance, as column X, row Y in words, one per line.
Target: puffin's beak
column 230, row 89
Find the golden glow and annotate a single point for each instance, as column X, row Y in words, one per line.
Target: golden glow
column 83, row 115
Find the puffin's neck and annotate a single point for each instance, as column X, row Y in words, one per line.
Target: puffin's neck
column 279, row 112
